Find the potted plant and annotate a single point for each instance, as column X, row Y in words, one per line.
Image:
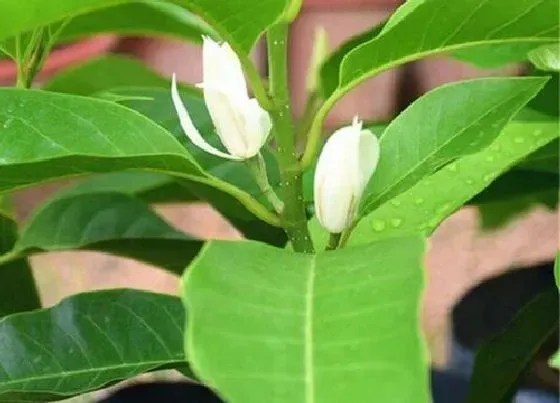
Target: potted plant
column 320, row 301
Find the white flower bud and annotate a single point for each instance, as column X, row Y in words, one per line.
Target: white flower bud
column 242, row 125
column 345, row 166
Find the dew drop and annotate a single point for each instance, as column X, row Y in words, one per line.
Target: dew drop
column 487, row 178
column 469, row 181
column 395, row 202
column 419, row 200
column 519, row 140
column 490, row 158
column 452, row 167
column 378, row 225
column 396, row 222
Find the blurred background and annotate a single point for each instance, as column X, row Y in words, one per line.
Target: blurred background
column 461, row 255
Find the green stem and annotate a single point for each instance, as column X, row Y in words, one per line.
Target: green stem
column 293, row 215
column 258, row 169
column 314, row 139
column 334, row 241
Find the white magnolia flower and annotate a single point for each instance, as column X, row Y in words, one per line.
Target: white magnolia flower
column 242, row 125
column 345, row 166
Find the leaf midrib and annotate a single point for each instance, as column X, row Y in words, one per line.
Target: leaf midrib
column 308, row 333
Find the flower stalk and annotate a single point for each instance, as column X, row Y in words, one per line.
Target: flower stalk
column 258, row 170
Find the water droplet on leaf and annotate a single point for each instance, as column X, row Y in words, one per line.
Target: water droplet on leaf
column 378, row 225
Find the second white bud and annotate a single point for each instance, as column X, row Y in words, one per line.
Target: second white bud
column 345, row 166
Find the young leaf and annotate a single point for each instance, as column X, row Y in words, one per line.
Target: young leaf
column 268, row 325
column 443, row 125
column 18, row 292
column 426, row 204
column 501, row 361
column 88, row 341
column 107, row 222
column 439, row 25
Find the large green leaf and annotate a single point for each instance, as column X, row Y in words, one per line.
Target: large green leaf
column 18, row 292
column 86, row 342
column 439, row 26
column 104, row 73
column 107, row 222
column 140, row 18
column 443, row 125
column 269, row 325
column 501, row 361
column 68, row 135
column 239, row 21
column 426, row 204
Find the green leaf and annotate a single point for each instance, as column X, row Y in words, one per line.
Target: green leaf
column 20, row 16
column 104, row 73
column 426, row 204
column 115, row 223
column 494, row 56
column 18, row 292
column 515, row 193
column 68, row 135
column 500, row 362
column 146, row 18
column 498, row 214
column 240, row 22
column 547, row 102
column 544, row 159
column 443, row 125
column 332, row 327
column 546, row 57
column 439, row 26
column 86, row 342
column 147, row 186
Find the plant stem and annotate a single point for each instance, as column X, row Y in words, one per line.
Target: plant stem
column 293, row 215
column 258, row 169
column 314, row 139
column 334, row 241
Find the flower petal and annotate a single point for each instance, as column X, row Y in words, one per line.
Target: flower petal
column 228, row 119
column 257, row 127
column 188, row 127
column 222, row 69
